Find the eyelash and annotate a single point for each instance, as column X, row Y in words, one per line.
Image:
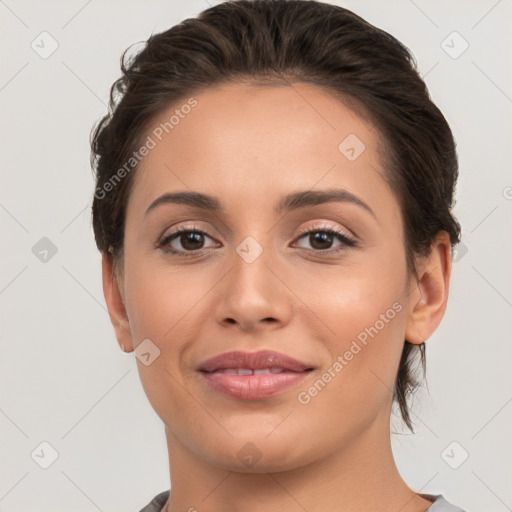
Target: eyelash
column 346, row 241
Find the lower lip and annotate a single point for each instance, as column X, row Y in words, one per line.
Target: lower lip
column 256, row 386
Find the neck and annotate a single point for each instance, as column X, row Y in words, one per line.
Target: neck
column 359, row 475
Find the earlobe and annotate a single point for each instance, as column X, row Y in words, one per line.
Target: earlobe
column 115, row 306
column 429, row 297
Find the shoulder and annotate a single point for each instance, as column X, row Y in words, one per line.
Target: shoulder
column 440, row 504
column 156, row 503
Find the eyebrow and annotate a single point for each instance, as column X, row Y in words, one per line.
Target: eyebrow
column 288, row 203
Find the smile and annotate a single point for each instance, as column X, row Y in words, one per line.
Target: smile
column 253, row 375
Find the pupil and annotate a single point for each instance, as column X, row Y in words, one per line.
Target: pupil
column 322, row 237
column 190, row 238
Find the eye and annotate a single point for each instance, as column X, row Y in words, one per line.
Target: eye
column 321, row 238
column 187, row 240
column 190, row 239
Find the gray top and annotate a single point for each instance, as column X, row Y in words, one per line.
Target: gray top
column 439, row 505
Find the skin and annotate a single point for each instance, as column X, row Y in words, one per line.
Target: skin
column 249, row 146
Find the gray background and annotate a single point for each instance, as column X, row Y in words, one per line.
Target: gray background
column 63, row 378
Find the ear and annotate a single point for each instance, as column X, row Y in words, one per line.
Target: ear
column 115, row 305
column 429, row 295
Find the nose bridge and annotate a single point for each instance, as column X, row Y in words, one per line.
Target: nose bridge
column 251, row 278
column 252, row 293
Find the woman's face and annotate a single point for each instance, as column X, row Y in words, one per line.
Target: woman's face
column 266, row 274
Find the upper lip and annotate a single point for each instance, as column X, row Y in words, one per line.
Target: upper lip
column 254, row 361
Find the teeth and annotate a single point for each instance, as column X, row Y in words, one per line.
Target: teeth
column 248, row 371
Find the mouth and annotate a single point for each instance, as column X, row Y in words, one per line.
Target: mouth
column 253, row 376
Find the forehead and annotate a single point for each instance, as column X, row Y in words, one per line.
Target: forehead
column 245, row 141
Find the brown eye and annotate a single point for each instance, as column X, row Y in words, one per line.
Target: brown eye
column 184, row 240
column 323, row 239
column 191, row 240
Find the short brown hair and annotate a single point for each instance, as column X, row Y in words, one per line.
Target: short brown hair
column 279, row 42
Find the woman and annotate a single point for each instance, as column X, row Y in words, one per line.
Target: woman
column 273, row 207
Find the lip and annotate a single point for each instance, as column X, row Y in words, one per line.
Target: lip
column 256, row 386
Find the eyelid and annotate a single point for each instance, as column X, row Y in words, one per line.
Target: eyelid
column 185, row 227
column 322, row 225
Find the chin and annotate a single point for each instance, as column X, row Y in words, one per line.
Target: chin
column 256, row 461
column 258, row 453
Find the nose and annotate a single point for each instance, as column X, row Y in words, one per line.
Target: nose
column 254, row 295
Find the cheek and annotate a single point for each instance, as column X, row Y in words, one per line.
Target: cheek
column 363, row 319
column 355, row 387
column 162, row 300
column 346, row 300
column 167, row 306
column 161, row 306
